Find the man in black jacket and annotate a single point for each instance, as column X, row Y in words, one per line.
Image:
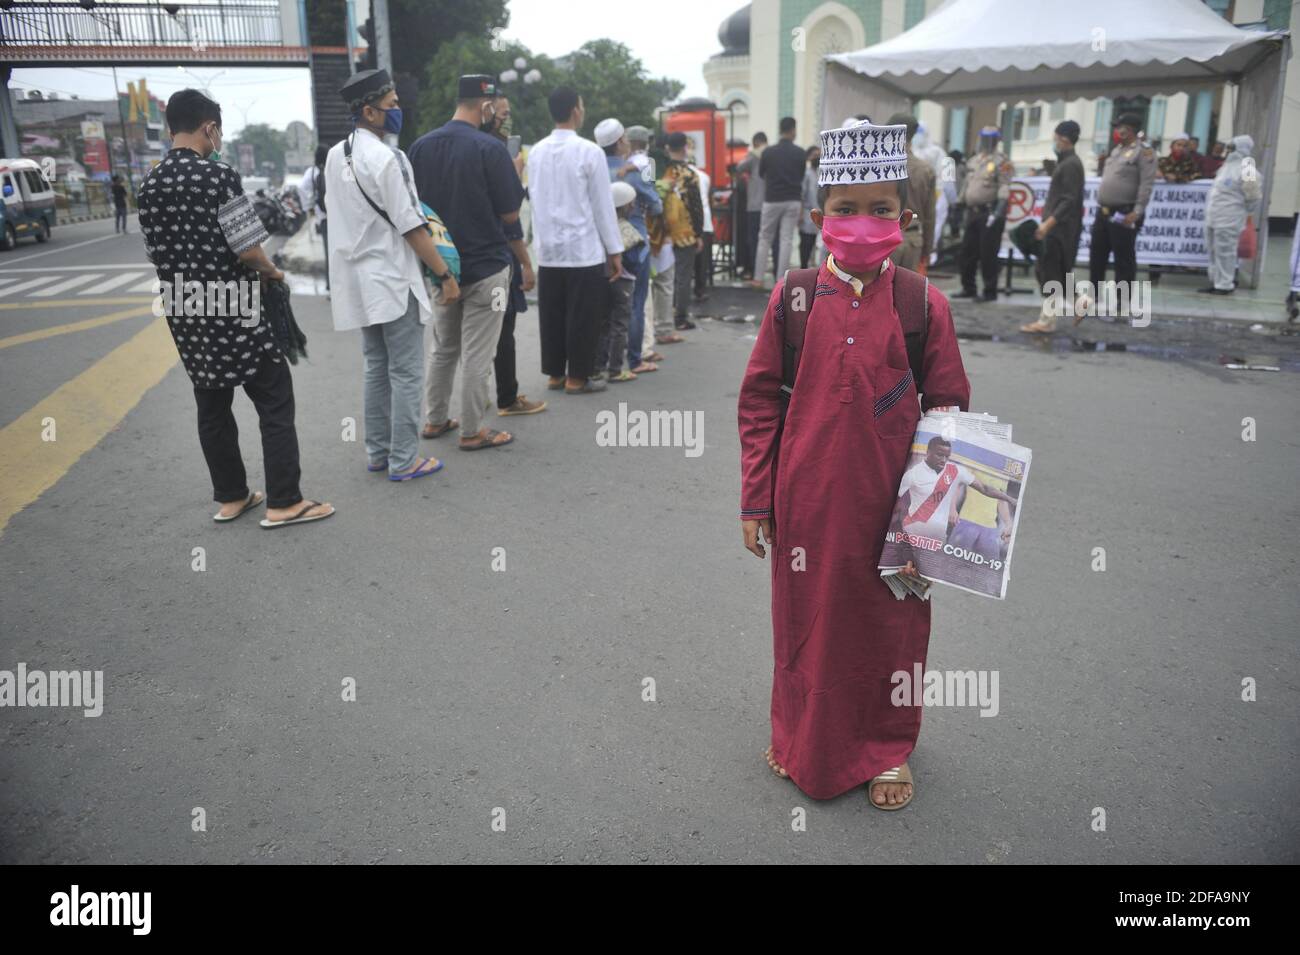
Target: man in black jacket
column 1060, row 230
column 782, row 168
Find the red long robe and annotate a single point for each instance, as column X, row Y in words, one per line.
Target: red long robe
column 838, row 632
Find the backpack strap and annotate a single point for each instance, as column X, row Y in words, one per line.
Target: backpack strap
column 912, row 302
column 796, row 304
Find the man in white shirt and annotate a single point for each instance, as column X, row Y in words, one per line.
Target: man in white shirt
column 704, row 260
column 380, row 238
column 578, row 245
column 930, row 488
column 313, row 201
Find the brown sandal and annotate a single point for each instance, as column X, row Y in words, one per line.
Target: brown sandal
column 429, row 432
column 899, row 774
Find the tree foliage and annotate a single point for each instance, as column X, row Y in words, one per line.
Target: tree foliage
column 611, row 81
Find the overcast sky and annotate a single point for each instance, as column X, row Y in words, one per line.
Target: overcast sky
column 674, row 45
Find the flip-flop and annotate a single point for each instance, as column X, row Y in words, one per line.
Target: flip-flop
column 555, row 385
column 672, row 339
column 254, row 499
column 299, row 518
column 653, row 356
column 644, row 368
column 487, row 442
column 589, row 387
column 428, row 432
column 420, row 470
column 621, row 377
column 381, row 466
column 899, row 774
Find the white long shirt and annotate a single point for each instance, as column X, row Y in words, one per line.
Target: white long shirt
column 704, row 197
column 307, row 188
column 574, row 225
column 372, row 268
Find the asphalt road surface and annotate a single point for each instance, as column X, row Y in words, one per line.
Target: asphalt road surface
column 485, row 694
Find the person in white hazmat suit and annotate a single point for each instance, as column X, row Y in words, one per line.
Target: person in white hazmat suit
column 946, row 196
column 1233, row 197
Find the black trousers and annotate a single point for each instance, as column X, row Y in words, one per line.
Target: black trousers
column 324, row 229
column 271, row 391
column 704, row 265
column 807, row 242
column 1108, row 237
column 504, row 362
column 1052, row 265
column 752, row 222
column 980, row 243
column 572, row 306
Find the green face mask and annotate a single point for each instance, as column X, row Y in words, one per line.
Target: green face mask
column 215, row 155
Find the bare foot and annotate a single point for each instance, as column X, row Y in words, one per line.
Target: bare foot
column 775, row 766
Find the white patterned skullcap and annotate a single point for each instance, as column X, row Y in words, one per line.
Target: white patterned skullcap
column 862, row 152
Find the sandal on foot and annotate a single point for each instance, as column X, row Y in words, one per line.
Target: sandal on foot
column 899, row 774
column 254, row 498
column 381, row 466
column 423, row 466
column 772, row 764
column 590, row 386
column 672, row 339
column 621, row 376
column 555, row 385
column 652, row 357
column 429, row 432
column 645, row 368
column 488, row 441
column 301, row 517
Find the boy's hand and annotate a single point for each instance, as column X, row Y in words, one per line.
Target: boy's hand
column 751, row 529
column 448, row 291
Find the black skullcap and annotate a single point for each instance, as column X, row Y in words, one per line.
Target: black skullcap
column 476, row 86
column 360, row 85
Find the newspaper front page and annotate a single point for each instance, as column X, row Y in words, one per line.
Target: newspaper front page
column 958, row 507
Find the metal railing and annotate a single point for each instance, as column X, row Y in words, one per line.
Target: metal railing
column 195, row 25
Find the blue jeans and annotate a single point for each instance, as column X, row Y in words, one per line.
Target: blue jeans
column 636, row 327
column 394, row 361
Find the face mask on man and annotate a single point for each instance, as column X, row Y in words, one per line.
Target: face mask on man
column 1176, row 152
column 215, row 142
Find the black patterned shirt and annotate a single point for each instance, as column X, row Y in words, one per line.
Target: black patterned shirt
column 196, row 219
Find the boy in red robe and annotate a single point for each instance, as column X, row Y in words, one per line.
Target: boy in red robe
column 824, row 503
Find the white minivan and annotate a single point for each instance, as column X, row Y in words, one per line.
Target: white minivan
column 27, row 208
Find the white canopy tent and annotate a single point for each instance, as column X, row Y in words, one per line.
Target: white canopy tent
column 981, row 53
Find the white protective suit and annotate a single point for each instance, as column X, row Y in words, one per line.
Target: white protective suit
column 1234, row 196
column 946, row 197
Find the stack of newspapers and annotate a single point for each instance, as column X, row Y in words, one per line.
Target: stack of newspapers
column 958, row 507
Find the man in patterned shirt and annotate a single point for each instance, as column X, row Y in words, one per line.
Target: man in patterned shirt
column 203, row 237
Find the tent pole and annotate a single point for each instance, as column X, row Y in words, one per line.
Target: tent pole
column 1270, row 162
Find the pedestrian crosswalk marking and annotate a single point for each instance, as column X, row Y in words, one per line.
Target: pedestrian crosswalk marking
column 111, row 283
column 29, row 284
column 85, row 409
column 148, row 285
column 66, row 284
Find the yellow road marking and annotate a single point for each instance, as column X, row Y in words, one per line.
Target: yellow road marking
column 84, row 410
column 77, row 302
column 41, row 333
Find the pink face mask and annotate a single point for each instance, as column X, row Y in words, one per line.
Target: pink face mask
column 860, row 243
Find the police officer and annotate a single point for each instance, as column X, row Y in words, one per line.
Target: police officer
column 984, row 193
column 1126, row 181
